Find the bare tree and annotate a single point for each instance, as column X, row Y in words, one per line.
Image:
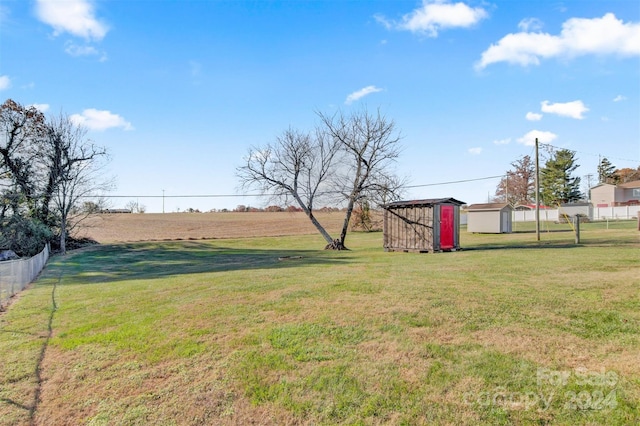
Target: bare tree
column 518, row 185
column 345, row 160
column 73, row 163
column 370, row 145
column 296, row 166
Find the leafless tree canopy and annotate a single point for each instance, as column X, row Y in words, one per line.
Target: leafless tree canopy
column 518, row 186
column 346, row 160
column 46, row 167
column 74, row 163
column 370, row 145
column 297, row 165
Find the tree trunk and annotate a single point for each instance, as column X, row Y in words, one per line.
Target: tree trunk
column 320, row 228
column 335, row 245
column 63, row 236
column 345, row 224
column 312, row 218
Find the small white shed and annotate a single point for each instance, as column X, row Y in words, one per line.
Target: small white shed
column 490, row 218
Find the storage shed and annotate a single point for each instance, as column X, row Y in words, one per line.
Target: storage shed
column 431, row 225
column 490, row 218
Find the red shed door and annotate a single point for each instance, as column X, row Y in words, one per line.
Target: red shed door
column 446, row 227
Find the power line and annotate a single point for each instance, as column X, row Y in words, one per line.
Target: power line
column 455, row 181
column 179, row 196
column 590, row 154
column 271, row 195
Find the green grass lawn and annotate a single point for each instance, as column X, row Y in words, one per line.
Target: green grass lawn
column 271, row 331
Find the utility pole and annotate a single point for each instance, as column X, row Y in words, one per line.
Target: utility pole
column 506, row 188
column 163, row 201
column 537, row 193
column 589, row 177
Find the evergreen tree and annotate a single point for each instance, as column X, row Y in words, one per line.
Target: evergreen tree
column 606, row 171
column 557, row 185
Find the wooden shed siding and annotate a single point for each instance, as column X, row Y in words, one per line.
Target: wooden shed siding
column 409, row 228
column 416, row 225
column 412, row 228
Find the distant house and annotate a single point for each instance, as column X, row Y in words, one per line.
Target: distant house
column 609, row 195
column 431, row 225
column 490, row 218
column 116, row 211
column 528, row 207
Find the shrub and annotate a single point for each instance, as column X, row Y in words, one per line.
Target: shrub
column 24, row 235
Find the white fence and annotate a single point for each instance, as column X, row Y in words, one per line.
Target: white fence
column 597, row 213
column 530, row 215
column 552, row 215
column 624, row 212
column 15, row 275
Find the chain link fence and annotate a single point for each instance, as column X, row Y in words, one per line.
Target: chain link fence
column 15, row 275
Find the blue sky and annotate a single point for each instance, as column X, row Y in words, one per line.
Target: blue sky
column 179, row 90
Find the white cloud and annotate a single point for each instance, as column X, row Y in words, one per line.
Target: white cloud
column 533, row 116
column 94, row 119
column 435, row 15
column 598, row 36
column 573, row 109
column 40, row 107
column 530, row 24
column 361, row 93
column 475, row 151
column 5, row 82
column 505, row 141
column 76, row 17
column 619, row 98
column 383, row 21
column 86, row 50
column 543, row 137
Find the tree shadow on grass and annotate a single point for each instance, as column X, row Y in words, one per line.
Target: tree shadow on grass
column 163, row 259
column 560, row 244
column 546, row 245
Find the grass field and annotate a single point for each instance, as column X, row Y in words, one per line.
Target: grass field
column 111, row 228
column 271, row 330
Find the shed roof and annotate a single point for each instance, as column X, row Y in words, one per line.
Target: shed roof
column 428, row 202
column 489, row 207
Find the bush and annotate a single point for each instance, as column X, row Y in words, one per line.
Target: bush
column 24, row 235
